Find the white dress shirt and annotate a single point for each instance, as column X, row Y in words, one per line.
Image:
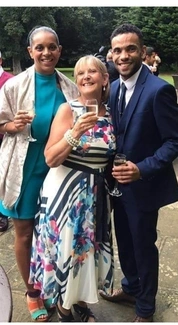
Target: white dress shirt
column 130, row 84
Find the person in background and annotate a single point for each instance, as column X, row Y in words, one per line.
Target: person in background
column 23, row 167
column 149, row 58
column 156, row 65
column 147, row 133
column 4, row 76
column 113, row 72
column 72, row 251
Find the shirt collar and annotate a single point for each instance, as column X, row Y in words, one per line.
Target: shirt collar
column 130, row 83
column 147, row 65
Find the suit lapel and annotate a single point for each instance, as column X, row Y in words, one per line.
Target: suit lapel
column 113, row 103
column 140, row 84
column 114, row 94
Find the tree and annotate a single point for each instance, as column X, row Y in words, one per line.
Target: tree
column 15, row 24
column 160, row 27
column 82, row 30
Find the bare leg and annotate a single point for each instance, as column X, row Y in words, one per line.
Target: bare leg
column 23, row 243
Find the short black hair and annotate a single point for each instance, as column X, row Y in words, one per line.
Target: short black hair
column 127, row 28
column 149, row 50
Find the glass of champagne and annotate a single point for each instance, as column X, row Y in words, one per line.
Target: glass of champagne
column 92, row 106
column 31, row 113
column 119, row 159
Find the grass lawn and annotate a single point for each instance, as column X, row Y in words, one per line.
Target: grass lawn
column 68, row 72
column 166, row 76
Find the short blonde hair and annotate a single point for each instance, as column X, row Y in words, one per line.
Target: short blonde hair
column 100, row 66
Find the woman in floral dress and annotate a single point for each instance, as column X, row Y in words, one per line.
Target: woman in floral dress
column 72, row 255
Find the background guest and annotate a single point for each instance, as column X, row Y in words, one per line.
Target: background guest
column 4, row 76
column 156, row 65
column 149, row 58
column 113, row 72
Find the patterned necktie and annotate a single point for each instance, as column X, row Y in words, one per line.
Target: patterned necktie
column 121, row 103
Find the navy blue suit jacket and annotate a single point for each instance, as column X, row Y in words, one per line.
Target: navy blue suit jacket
column 150, row 138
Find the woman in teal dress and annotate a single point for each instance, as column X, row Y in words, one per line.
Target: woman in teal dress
column 23, row 167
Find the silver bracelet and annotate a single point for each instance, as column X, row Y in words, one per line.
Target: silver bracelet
column 70, row 139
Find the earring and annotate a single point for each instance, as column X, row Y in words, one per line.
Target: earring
column 104, row 88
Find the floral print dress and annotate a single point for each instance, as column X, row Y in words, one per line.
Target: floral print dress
column 68, row 262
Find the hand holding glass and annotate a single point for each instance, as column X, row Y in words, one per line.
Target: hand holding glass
column 92, row 106
column 119, row 159
column 31, row 113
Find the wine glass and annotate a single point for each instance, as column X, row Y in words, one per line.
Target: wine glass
column 119, row 159
column 31, row 112
column 91, row 105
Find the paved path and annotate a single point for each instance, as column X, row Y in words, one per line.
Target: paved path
column 167, row 297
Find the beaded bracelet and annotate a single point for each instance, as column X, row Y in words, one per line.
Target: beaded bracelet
column 70, row 139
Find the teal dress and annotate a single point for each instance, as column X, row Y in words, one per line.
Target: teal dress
column 48, row 98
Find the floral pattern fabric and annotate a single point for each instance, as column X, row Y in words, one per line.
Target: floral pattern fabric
column 67, row 263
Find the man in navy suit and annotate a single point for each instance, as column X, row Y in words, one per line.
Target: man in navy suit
column 147, row 133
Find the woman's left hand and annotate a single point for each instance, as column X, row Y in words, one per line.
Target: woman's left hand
column 21, row 119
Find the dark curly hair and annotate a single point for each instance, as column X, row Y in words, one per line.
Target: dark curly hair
column 127, row 28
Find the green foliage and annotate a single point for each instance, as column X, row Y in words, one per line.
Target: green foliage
column 16, row 23
column 82, row 30
column 160, row 27
column 69, row 72
column 167, row 77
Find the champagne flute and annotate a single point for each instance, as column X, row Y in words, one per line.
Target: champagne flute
column 92, row 106
column 119, row 159
column 31, row 113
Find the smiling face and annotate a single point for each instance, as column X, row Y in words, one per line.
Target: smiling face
column 45, row 52
column 91, row 76
column 127, row 54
